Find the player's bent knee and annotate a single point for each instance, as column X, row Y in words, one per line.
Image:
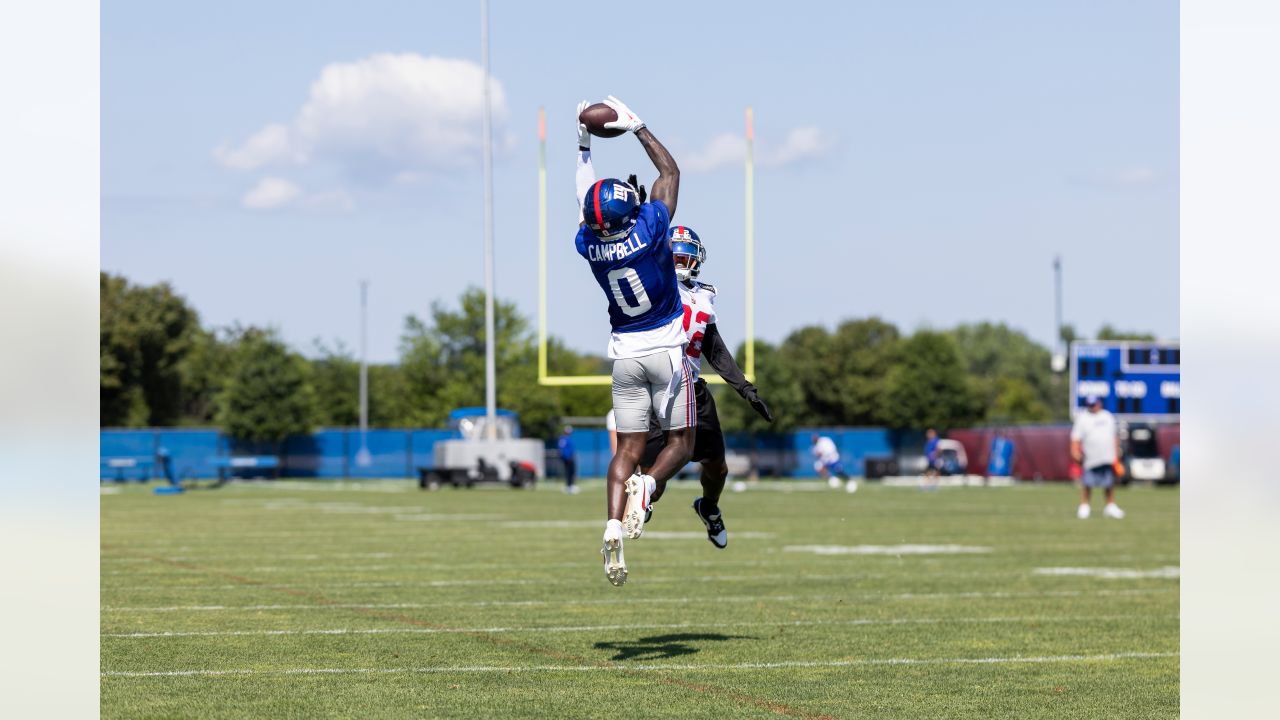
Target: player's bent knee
column 716, row 469
column 684, row 441
column 686, row 445
column 630, row 447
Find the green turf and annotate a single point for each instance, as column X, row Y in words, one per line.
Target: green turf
column 377, row 600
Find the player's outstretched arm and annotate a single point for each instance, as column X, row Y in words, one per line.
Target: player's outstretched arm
column 667, row 187
column 718, row 355
column 586, row 173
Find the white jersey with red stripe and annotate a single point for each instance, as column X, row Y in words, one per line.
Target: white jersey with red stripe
column 699, row 301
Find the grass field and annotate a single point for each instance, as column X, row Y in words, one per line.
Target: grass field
column 377, row 600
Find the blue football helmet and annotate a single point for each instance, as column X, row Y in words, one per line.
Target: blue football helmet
column 688, row 250
column 610, row 208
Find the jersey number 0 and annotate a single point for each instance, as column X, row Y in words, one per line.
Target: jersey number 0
column 616, row 278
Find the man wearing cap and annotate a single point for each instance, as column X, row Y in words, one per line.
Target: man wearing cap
column 1095, row 444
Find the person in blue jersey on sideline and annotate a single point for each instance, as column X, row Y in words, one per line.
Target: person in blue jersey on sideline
column 569, row 460
column 624, row 240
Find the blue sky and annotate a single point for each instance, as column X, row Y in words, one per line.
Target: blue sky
column 920, row 161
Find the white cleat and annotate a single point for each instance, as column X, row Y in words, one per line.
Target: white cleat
column 1113, row 512
column 833, row 482
column 637, row 510
column 615, row 565
column 1082, row 512
column 851, row 486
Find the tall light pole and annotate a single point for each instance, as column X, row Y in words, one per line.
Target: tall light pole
column 362, row 456
column 751, row 248
column 1059, row 360
column 490, row 399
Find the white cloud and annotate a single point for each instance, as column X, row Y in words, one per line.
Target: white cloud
column 724, row 150
column 272, row 143
column 330, row 200
column 271, row 193
column 380, row 117
column 799, row 145
column 1137, row 175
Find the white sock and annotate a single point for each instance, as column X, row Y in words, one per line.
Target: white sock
column 650, row 484
column 613, row 527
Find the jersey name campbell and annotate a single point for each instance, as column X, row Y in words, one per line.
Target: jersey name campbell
column 699, row 312
column 636, row 273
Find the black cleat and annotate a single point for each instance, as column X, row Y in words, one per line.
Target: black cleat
column 715, row 526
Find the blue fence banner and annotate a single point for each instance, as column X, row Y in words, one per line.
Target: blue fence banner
column 199, row 453
column 1000, row 462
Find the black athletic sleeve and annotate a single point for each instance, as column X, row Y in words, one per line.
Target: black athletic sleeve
column 716, row 353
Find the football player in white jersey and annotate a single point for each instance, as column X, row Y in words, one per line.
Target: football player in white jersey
column 703, row 341
column 826, row 461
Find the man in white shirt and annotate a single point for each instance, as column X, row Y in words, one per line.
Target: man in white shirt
column 1095, row 444
column 826, row 460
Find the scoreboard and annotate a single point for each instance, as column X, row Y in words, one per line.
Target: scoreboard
column 1136, row 380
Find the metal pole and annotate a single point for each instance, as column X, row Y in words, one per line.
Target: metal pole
column 490, row 399
column 362, row 456
column 1057, row 301
column 1058, row 361
column 750, row 251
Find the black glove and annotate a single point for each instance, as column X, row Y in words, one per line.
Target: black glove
column 749, row 393
column 635, row 183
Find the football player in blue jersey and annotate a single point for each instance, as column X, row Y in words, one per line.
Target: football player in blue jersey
column 624, row 241
column 704, row 340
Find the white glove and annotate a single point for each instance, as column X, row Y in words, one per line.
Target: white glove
column 584, row 137
column 627, row 120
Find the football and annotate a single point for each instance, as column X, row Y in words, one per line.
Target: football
column 595, row 116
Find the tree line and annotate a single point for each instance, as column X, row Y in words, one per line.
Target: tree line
column 161, row 367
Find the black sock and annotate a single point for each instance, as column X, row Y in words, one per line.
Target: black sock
column 710, row 509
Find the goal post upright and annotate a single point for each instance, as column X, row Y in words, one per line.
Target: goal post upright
column 542, row 245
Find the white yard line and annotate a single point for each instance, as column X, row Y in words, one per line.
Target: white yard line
column 611, row 667
column 158, row 569
column 895, row 550
column 643, row 600
column 642, row 626
column 699, row 534
column 107, row 559
column 575, row 582
column 1167, row 572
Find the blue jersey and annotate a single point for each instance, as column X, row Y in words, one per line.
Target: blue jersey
column 637, row 273
column 931, row 450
